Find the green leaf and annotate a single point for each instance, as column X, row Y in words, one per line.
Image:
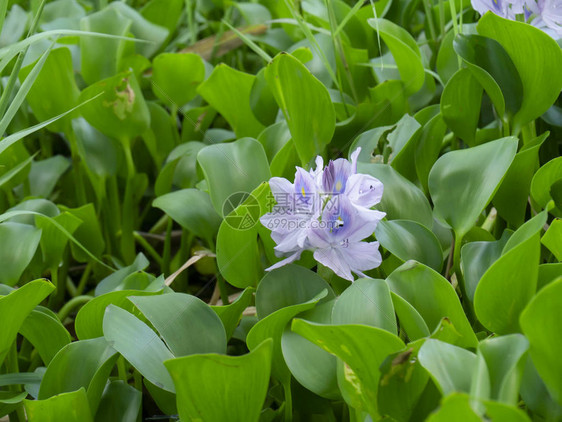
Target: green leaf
column 451, row 367
column 540, row 322
column 479, row 171
column 368, row 302
column 410, row 240
column 287, row 286
column 505, row 359
column 361, row 347
column 401, row 200
column 432, row 296
column 460, row 104
column 535, row 55
column 228, row 91
column 313, row 367
column 53, row 242
column 120, row 111
column 82, row 364
column 272, row 326
column 551, row 238
column 120, row 402
column 232, row 168
column 100, row 58
column 230, row 314
column 238, row 254
column 187, row 324
column 428, row 148
column 305, row 103
column 405, row 51
column 70, row 407
column 512, row 196
column 46, row 333
column 493, row 68
column 54, row 91
column 175, row 77
column 476, row 258
column 89, row 320
column 543, row 181
column 509, row 284
column 114, row 281
column 139, row 344
column 19, row 243
column 237, row 393
column 192, row 209
column 16, row 306
column 410, row 319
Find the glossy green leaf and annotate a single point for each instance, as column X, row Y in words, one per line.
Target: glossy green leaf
column 120, row 111
column 367, row 301
column 512, row 196
column 543, row 181
column 120, row 402
column 405, row 51
column 410, row 319
column 535, row 55
column 361, row 347
column 237, row 393
column 493, row 68
column 46, row 333
column 238, row 255
column 16, row 306
column 19, row 243
column 505, row 359
column 287, row 286
column 230, row 314
column 192, row 209
column 509, row 284
column 432, row 296
column 72, row 407
column 460, row 105
column 313, row 367
column 228, row 91
column 451, row 367
column 272, row 326
column 305, row 103
column 139, row 344
column 476, row 258
column 479, row 170
column 100, row 58
column 410, row 240
column 89, row 320
column 54, row 91
column 82, row 364
column 552, row 237
column 175, row 77
column 114, row 281
column 232, row 168
column 187, row 324
column 540, row 322
column 53, row 242
column 401, row 200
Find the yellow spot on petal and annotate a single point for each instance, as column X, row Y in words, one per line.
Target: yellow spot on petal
column 338, row 186
column 303, row 192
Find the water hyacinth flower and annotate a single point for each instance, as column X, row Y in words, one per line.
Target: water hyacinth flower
column 543, row 14
column 327, row 211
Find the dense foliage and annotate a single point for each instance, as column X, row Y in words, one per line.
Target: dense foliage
column 146, row 272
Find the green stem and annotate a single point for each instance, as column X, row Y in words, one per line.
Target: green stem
column 166, row 254
column 84, row 280
column 148, row 248
column 71, row 305
column 429, row 15
column 129, row 210
column 79, row 181
column 12, row 367
column 222, row 289
column 288, row 401
column 122, row 370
